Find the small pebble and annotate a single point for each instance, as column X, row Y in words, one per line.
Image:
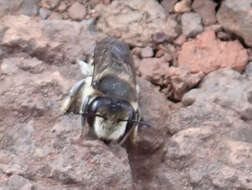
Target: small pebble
column 44, row 13
column 183, row 6
column 146, row 52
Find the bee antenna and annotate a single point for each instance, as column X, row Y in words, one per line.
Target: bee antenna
column 139, row 122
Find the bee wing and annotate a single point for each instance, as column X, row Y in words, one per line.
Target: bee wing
column 112, row 55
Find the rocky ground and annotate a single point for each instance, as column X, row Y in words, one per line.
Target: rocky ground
column 194, row 61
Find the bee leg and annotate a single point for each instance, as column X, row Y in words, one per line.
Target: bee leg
column 86, row 68
column 83, row 110
column 134, row 134
column 72, row 95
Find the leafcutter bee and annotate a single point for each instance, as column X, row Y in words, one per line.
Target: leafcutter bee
column 107, row 96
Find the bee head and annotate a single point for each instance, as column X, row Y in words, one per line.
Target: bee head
column 110, row 109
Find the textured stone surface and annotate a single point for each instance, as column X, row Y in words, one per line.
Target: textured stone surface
column 37, row 147
column 44, row 13
column 77, row 11
column 147, row 156
column 211, row 145
column 217, row 88
column 191, row 24
column 207, row 54
column 49, row 4
column 147, row 52
column 236, row 17
column 47, row 38
column 168, row 5
column 183, row 6
column 135, row 21
column 248, row 70
column 26, row 7
column 173, row 81
column 206, row 144
column 206, row 9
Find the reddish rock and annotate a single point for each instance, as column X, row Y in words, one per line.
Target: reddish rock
column 159, row 53
column 174, row 81
column 206, row 9
column 49, row 4
column 152, row 69
column 180, row 40
column 77, row 11
column 206, row 54
column 106, row 2
column 62, row 7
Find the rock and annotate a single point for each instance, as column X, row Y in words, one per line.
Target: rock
column 159, row 37
column 44, row 13
column 133, row 26
column 93, row 3
column 157, row 113
column 236, row 17
column 77, row 11
column 175, row 82
column 248, row 70
column 183, row 6
column 49, row 4
column 210, row 143
column 9, row 66
column 206, row 9
column 152, row 69
column 160, row 53
column 168, row 5
column 214, row 27
column 180, row 81
column 224, row 36
column 92, row 167
column 250, row 54
column 180, row 40
column 38, row 144
column 217, row 89
column 191, row 24
column 52, row 41
column 18, row 7
column 207, row 54
column 106, row 2
column 55, row 16
column 19, row 182
column 62, row 7
column 147, row 52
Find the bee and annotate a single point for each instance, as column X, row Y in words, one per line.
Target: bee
column 107, row 96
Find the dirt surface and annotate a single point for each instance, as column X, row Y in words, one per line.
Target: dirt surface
column 195, row 89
